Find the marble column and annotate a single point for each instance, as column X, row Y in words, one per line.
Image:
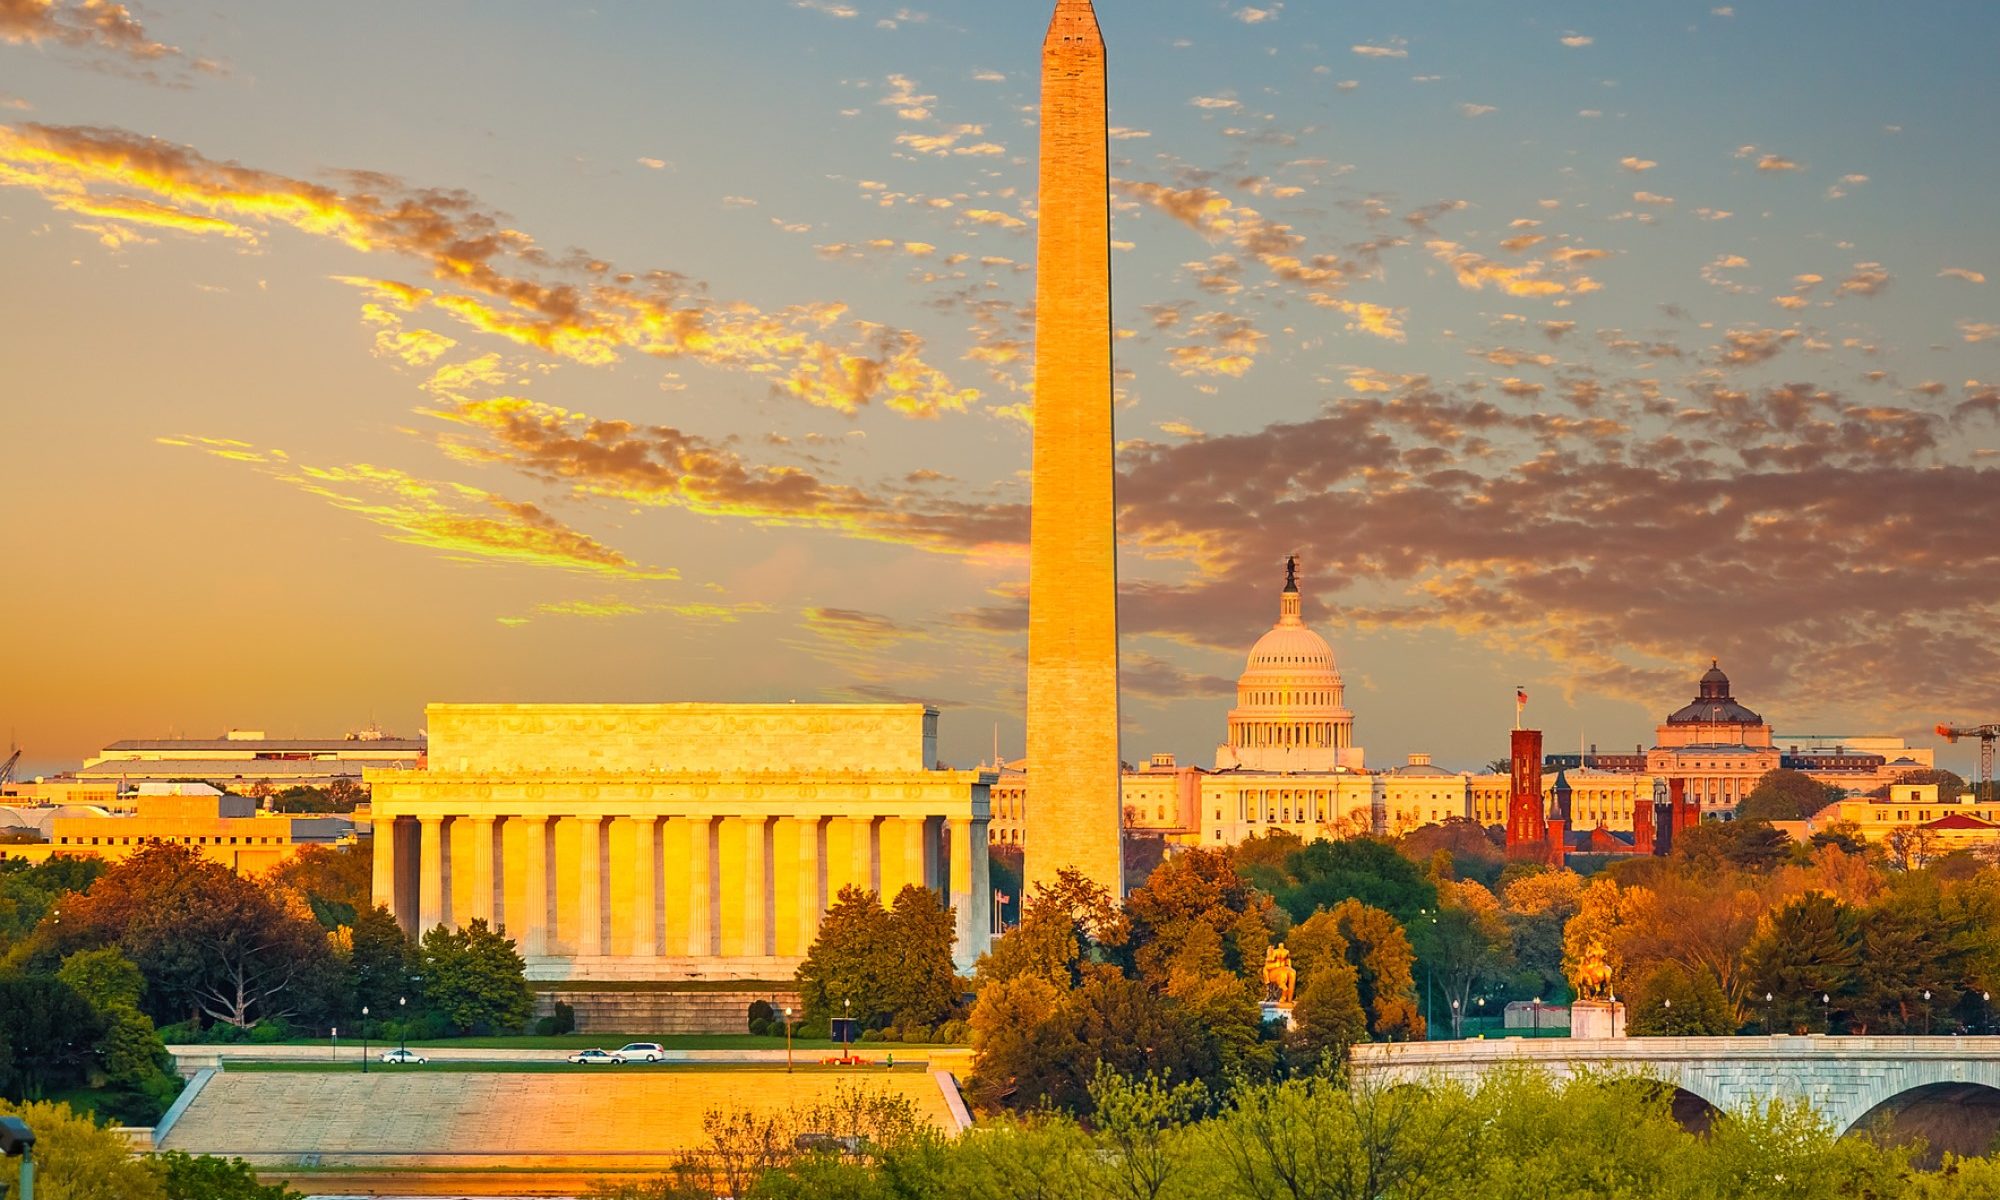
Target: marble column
column 982, row 892
column 431, row 908
column 483, row 880
column 700, row 919
column 796, row 885
column 533, row 931
column 384, row 890
column 636, row 890
column 964, row 901
column 859, row 870
column 590, row 887
column 902, row 855
column 756, row 890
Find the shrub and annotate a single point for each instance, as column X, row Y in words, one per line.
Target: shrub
column 955, row 1033
column 761, row 1013
column 545, row 1027
column 266, row 1033
column 565, row 1018
column 761, row 1027
column 871, row 1035
column 817, row 1031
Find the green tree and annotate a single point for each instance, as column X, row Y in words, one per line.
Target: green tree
column 1140, row 1126
column 1328, row 1018
column 1950, row 785
column 382, row 965
column 1471, row 851
column 918, row 986
column 28, row 891
column 204, row 1177
column 1671, row 1001
column 841, row 974
column 1324, row 873
column 1907, row 944
column 1785, row 795
column 1811, row 948
column 475, row 979
column 1064, row 928
column 1743, row 844
column 334, row 883
column 104, row 976
column 50, row 1034
column 78, row 1159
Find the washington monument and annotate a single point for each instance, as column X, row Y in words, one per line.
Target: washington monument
column 1073, row 818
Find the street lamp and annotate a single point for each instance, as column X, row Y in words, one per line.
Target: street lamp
column 1826, row 1013
column 1457, row 1030
column 18, row 1141
column 1538, row 1016
column 335, row 1034
column 1767, row 1015
column 403, row 1023
column 364, row 1039
column 788, row 1041
column 1927, row 1012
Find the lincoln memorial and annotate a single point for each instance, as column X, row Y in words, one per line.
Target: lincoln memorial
column 675, row 841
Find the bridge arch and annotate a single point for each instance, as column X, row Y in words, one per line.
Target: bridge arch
column 1949, row 1115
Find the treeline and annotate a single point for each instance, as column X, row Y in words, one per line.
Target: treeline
column 102, row 965
column 1519, row 1136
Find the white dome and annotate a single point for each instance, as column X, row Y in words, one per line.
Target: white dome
column 1291, row 712
column 1290, row 649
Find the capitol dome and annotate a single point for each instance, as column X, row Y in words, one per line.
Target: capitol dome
column 1291, row 712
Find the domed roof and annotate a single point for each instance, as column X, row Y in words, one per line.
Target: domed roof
column 1290, row 649
column 1714, row 705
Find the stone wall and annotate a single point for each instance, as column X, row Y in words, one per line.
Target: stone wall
column 644, row 1015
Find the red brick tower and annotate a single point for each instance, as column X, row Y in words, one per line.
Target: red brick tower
column 1527, row 820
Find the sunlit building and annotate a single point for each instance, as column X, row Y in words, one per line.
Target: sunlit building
column 675, row 841
column 245, row 760
column 222, row 828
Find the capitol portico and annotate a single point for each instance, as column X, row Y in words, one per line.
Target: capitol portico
column 675, row 841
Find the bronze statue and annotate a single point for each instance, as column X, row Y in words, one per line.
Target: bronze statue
column 1279, row 977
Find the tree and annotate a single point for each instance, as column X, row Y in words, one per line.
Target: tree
column 1785, row 795
column 1671, row 1001
column 104, row 976
column 188, row 1177
column 1465, row 944
column 1328, row 1018
column 1380, row 953
column 1139, row 1127
column 1470, row 851
column 1198, row 887
column 919, row 987
column 1811, row 948
column 1745, row 844
column 475, row 980
column 208, row 941
column 1323, row 874
column 381, row 966
column 841, row 974
column 49, row 1034
column 28, row 891
column 1064, row 927
column 78, row 1159
column 1913, row 847
column 334, row 883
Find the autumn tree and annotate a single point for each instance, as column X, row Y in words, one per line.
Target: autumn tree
column 209, row 942
column 1379, row 951
column 879, row 966
column 334, row 883
column 1465, row 945
column 1197, row 887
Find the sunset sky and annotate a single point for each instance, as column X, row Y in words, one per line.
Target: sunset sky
column 363, row 355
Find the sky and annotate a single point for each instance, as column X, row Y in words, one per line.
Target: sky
column 367, row 355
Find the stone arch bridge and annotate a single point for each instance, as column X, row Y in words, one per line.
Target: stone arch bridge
column 1945, row 1090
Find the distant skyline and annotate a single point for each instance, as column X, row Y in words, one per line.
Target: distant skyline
column 364, row 356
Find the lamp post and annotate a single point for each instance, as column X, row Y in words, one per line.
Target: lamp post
column 1457, row 1029
column 364, row 1039
column 1927, row 1012
column 788, row 1041
column 1538, row 1016
column 1768, row 1010
column 1668, row 1018
column 403, row 1023
column 1430, row 1010
column 1986, row 1012
column 1826, row 1013
column 334, row 1033
column 18, row 1141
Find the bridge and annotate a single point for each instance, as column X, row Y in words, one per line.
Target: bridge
column 1945, row 1090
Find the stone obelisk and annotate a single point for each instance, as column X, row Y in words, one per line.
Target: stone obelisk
column 1072, row 817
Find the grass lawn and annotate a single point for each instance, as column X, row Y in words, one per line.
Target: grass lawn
column 805, row 1063
column 611, row 1041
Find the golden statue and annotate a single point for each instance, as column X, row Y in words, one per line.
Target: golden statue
column 1279, row 975
column 1592, row 977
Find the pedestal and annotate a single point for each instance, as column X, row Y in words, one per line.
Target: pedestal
column 1597, row 1019
column 1281, row 1013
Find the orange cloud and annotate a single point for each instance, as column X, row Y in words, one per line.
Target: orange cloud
column 491, row 277
column 463, row 523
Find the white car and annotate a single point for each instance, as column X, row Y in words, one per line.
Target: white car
column 406, row 1057
column 651, row 1052
column 596, row 1058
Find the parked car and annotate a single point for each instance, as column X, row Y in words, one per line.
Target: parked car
column 407, row 1057
column 651, row 1052
column 596, row 1057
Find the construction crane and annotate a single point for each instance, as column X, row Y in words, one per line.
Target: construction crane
column 1987, row 735
column 7, row 768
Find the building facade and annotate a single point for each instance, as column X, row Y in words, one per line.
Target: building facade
column 242, row 760
column 221, row 828
column 675, row 841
